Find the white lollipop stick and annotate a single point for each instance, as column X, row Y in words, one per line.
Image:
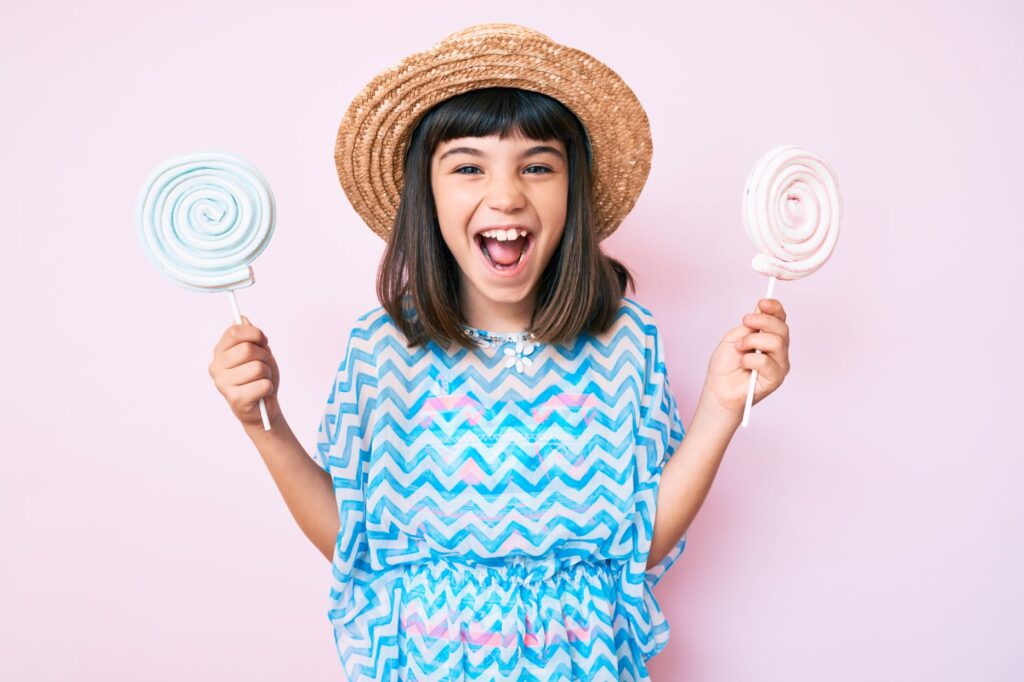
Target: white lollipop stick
column 202, row 219
column 791, row 213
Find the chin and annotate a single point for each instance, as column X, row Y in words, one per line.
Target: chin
column 504, row 294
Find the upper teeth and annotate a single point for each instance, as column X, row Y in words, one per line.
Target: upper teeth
column 504, row 235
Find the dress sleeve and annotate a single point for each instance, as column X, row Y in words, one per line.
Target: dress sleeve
column 659, row 432
column 663, row 430
column 343, row 450
column 350, row 402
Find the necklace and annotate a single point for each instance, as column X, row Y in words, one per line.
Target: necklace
column 517, row 355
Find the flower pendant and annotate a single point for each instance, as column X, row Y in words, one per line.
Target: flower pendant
column 517, row 356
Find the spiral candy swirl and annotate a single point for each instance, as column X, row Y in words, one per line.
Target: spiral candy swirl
column 791, row 212
column 203, row 218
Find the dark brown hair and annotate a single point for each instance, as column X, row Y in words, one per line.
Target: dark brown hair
column 417, row 282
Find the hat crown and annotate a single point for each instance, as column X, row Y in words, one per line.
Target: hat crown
column 485, row 30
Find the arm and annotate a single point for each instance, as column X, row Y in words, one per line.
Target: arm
column 687, row 478
column 306, row 488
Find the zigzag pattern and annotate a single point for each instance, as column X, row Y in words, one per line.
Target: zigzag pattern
column 495, row 525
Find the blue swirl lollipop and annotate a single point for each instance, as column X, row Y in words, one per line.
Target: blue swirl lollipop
column 202, row 219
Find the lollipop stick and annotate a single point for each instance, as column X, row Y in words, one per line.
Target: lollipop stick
column 238, row 320
column 753, row 373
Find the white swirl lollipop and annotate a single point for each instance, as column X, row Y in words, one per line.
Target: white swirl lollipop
column 791, row 212
column 202, row 219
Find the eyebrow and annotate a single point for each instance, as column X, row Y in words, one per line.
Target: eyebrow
column 532, row 151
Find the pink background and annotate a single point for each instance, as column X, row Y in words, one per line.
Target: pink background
column 866, row 526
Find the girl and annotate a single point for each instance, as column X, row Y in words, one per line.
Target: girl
column 496, row 487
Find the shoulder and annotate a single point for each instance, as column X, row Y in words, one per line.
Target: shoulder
column 633, row 331
column 375, row 332
column 639, row 317
column 632, row 325
column 635, row 310
column 371, row 326
column 648, row 333
column 363, row 339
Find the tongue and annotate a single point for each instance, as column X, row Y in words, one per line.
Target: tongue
column 506, row 252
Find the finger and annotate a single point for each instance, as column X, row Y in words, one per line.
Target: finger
column 764, row 364
column 247, row 373
column 764, row 342
column 244, row 352
column 767, row 323
column 780, row 356
column 772, row 306
column 238, row 333
column 737, row 333
column 251, row 392
column 769, row 374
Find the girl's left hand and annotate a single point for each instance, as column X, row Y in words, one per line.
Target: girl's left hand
column 728, row 370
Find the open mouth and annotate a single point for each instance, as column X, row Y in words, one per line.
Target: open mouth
column 506, row 258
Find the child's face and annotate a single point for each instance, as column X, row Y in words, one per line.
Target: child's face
column 513, row 182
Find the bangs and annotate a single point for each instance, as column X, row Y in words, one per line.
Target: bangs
column 505, row 112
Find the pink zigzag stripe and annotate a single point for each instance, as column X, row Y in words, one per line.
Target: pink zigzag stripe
column 566, row 399
column 452, row 403
column 479, row 635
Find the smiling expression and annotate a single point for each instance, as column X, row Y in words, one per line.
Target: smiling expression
column 509, row 194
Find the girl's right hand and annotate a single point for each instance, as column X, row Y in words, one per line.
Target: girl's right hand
column 244, row 370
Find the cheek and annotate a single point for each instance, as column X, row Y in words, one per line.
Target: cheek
column 556, row 204
column 454, row 240
column 547, row 249
column 453, row 233
column 454, row 206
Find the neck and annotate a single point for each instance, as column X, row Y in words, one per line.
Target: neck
column 499, row 317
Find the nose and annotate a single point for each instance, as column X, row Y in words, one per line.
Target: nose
column 505, row 194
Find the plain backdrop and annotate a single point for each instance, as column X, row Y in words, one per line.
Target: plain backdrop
column 868, row 523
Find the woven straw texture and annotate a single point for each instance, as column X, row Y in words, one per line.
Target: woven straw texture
column 378, row 124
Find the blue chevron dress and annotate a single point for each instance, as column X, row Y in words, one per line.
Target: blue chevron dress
column 497, row 504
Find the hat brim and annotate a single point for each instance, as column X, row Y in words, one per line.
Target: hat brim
column 373, row 135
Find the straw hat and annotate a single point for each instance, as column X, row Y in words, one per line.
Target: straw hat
column 376, row 129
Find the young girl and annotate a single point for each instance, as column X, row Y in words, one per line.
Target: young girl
column 496, row 487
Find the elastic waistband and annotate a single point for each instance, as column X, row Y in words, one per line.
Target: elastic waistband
column 511, row 570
